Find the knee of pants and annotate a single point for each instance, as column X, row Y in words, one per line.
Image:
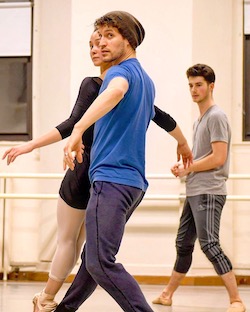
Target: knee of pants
column 92, row 266
column 183, row 259
column 99, row 265
column 212, row 251
column 216, row 256
column 184, row 250
column 96, row 268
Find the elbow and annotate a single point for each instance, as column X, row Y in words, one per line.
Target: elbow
column 116, row 93
column 119, row 94
column 220, row 161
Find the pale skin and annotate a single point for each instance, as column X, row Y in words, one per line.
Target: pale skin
column 202, row 93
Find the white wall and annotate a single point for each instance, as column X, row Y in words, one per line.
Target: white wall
column 177, row 36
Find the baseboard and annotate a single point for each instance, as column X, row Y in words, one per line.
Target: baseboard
column 191, row 280
column 148, row 280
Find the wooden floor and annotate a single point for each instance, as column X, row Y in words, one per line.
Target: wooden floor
column 17, row 297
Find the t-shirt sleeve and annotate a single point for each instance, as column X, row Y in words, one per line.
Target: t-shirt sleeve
column 219, row 128
column 114, row 72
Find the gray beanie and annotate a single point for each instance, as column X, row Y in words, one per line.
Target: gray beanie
column 128, row 26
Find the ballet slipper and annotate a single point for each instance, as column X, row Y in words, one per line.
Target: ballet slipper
column 162, row 301
column 236, row 307
column 44, row 302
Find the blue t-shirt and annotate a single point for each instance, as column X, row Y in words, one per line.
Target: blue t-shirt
column 118, row 150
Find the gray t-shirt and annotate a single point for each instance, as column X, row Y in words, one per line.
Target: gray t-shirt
column 212, row 127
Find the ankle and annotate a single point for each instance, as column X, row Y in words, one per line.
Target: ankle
column 236, row 300
column 47, row 295
column 165, row 294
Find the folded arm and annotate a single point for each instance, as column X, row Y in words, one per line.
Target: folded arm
column 216, row 159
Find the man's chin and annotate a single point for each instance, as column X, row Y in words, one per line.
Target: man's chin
column 107, row 59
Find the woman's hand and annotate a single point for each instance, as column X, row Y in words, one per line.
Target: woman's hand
column 13, row 152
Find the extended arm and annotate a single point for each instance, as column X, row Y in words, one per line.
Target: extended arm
column 166, row 122
column 183, row 150
column 87, row 93
column 46, row 139
column 103, row 104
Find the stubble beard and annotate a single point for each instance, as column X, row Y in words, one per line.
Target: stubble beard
column 112, row 57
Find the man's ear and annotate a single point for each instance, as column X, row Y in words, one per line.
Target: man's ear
column 211, row 86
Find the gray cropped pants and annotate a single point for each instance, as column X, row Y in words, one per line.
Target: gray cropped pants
column 201, row 219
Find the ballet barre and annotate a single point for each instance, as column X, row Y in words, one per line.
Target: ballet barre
column 4, row 196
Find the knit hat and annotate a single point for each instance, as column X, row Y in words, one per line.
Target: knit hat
column 128, row 26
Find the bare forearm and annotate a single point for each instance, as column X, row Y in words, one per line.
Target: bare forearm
column 178, row 135
column 216, row 159
column 49, row 138
column 183, row 150
column 105, row 102
column 208, row 163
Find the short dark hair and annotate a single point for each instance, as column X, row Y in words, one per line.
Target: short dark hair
column 128, row 26
column 203, row 71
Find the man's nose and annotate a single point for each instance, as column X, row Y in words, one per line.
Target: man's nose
column 102, row 42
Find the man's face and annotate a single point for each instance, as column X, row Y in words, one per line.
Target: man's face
column 113, row 46
column 200, row 89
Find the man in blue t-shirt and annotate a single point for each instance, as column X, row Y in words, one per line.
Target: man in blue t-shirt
column 121, row 114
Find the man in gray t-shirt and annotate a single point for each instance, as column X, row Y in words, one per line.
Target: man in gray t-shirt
column 210, row 129
column 205, row 190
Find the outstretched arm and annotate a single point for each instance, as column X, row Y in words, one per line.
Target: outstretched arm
column 51, row 137
column 183, row 150
column 87, row 93
column 166, row 122
column 103, row 104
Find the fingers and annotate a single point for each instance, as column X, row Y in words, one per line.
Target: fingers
column 184, row 160
column 10, row 159
column 68, row 159
column 8, row 153
column 5, row 154
column 73, row 149
column 79, row 156
column 178, row 156
column 175, row 169
column 11, row 156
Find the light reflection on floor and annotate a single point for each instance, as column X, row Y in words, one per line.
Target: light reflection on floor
column 17, row 297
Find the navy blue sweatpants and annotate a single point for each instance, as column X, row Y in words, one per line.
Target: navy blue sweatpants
column 109, row 208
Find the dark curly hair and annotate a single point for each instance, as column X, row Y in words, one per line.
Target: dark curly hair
column 203, row 71
column 128, row 26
